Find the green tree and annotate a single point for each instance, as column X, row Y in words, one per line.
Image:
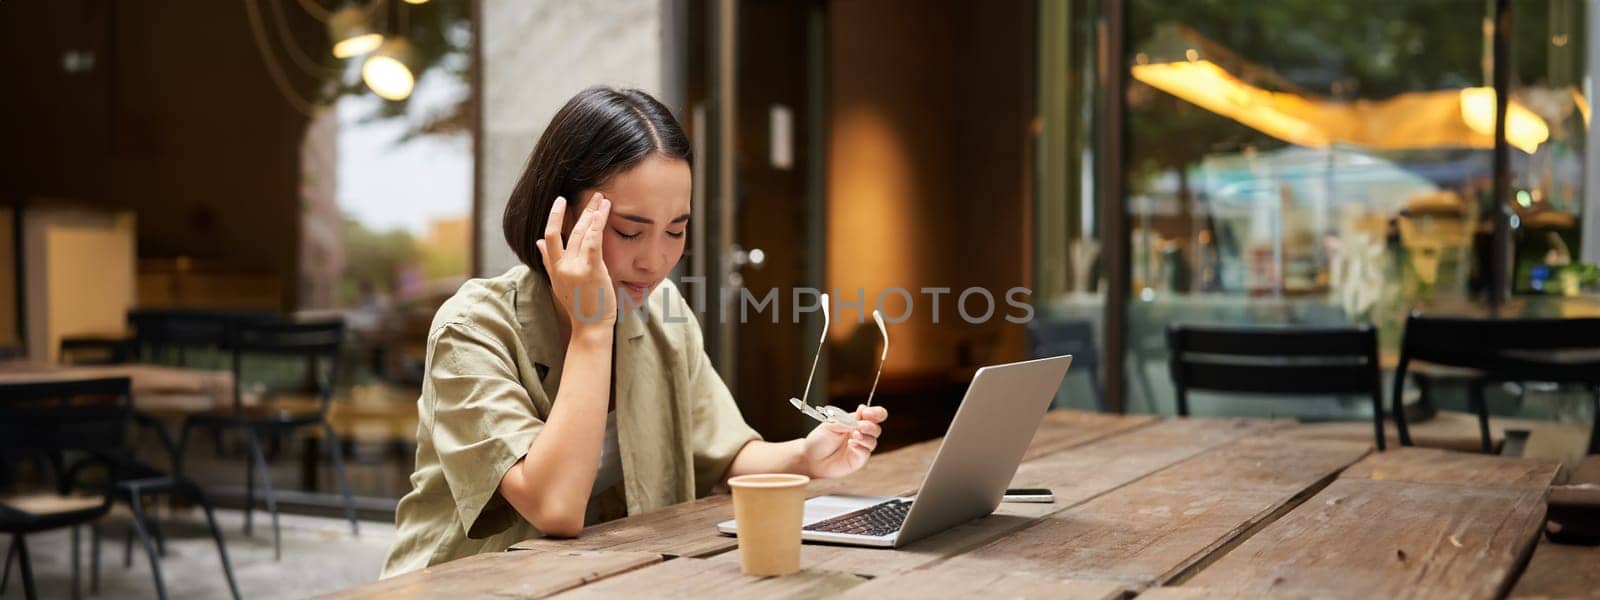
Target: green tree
column 373, row 260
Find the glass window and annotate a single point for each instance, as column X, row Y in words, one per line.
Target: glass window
column 1068, row 288
column 1327, row 162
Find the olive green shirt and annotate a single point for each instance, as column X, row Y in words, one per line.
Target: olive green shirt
column 494, row 361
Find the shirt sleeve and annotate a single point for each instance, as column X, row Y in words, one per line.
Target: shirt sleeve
column 483, row 423
column 720, row 431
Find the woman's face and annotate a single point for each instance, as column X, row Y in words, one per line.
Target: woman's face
column 649, row 219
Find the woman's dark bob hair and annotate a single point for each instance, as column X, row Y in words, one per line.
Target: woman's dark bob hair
column 600, row 132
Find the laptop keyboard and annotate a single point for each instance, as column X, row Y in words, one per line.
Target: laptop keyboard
column 879, row 519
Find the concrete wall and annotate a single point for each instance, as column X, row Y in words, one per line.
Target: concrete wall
column 536, row 55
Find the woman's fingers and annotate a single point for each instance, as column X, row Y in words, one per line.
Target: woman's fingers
column 837, row 428
column 869, row 428
column 876, row 414
column 863, row 441
column 581, row 228
column 552, row 232
column 544, row 256
column 597, row 227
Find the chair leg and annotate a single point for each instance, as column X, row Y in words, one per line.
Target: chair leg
column 26, row 566
column 249, row 489
column 1475, row 394
column 337, row 450
column 137, row 505
column 216, row 534
column 5, row 572
column 1397, row 407
column 94, row 559
column 183, row 446
column 77, row 587
column 127, row 549
column 153, row 521
column 266, row 489
column 1377, row 419
column 164, row 436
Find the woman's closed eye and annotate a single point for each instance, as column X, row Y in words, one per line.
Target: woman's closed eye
column 633, row 236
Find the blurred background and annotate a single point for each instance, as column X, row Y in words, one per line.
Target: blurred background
column 1135, row 163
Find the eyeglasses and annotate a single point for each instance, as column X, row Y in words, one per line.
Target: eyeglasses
column 828, row 412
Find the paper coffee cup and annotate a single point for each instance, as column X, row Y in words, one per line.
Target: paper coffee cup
column 768, row 508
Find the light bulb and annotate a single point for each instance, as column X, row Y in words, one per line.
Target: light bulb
column 389, row 78
column 352, row 35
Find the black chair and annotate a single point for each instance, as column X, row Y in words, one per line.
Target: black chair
column 1503, row 350
column 1075, row 337
column 51, row 419
column 161, row 333
column 318, row 344
column 159, row 336
column 40, row 416
column 1279, row 360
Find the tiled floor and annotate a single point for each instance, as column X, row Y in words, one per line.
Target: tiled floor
column 319, row 556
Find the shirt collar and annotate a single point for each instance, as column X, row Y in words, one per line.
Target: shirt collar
column 537, row 316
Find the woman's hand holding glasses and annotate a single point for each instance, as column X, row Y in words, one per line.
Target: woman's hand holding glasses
column 844, row 440
column 836, row 450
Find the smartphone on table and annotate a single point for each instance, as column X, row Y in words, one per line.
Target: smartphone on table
column 1028, row 495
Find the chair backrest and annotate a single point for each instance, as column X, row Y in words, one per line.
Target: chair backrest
column 318, row 342
column 159, row 331
column 1505, row 349
column 90, row 415
column 175, row 327
column 1054, row 338
column 320, row 339
column 1281, row 360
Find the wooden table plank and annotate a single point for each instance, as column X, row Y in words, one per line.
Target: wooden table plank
column 1098, row 468
column 1427, row 465
column 880, row 562
column 1196, row 593
column 1159, row 527
column 1560, row 571
column 1451, row 430
column 696, row 578
column 959, row 582
column 1063, row 429
column 1074, row 475
column 144, row 378
column 901, row 471
column 689, row 529
column 1181, row 593
column 503, row 575
column 1365, row 538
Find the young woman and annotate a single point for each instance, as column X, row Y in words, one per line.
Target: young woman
column 541, row 416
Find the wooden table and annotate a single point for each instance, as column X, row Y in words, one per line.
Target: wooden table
column 156, row 388
column 1189, row 508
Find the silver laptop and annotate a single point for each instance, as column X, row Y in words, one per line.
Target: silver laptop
column 979, row 455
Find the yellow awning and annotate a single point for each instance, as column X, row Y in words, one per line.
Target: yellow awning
column 1461, row 118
